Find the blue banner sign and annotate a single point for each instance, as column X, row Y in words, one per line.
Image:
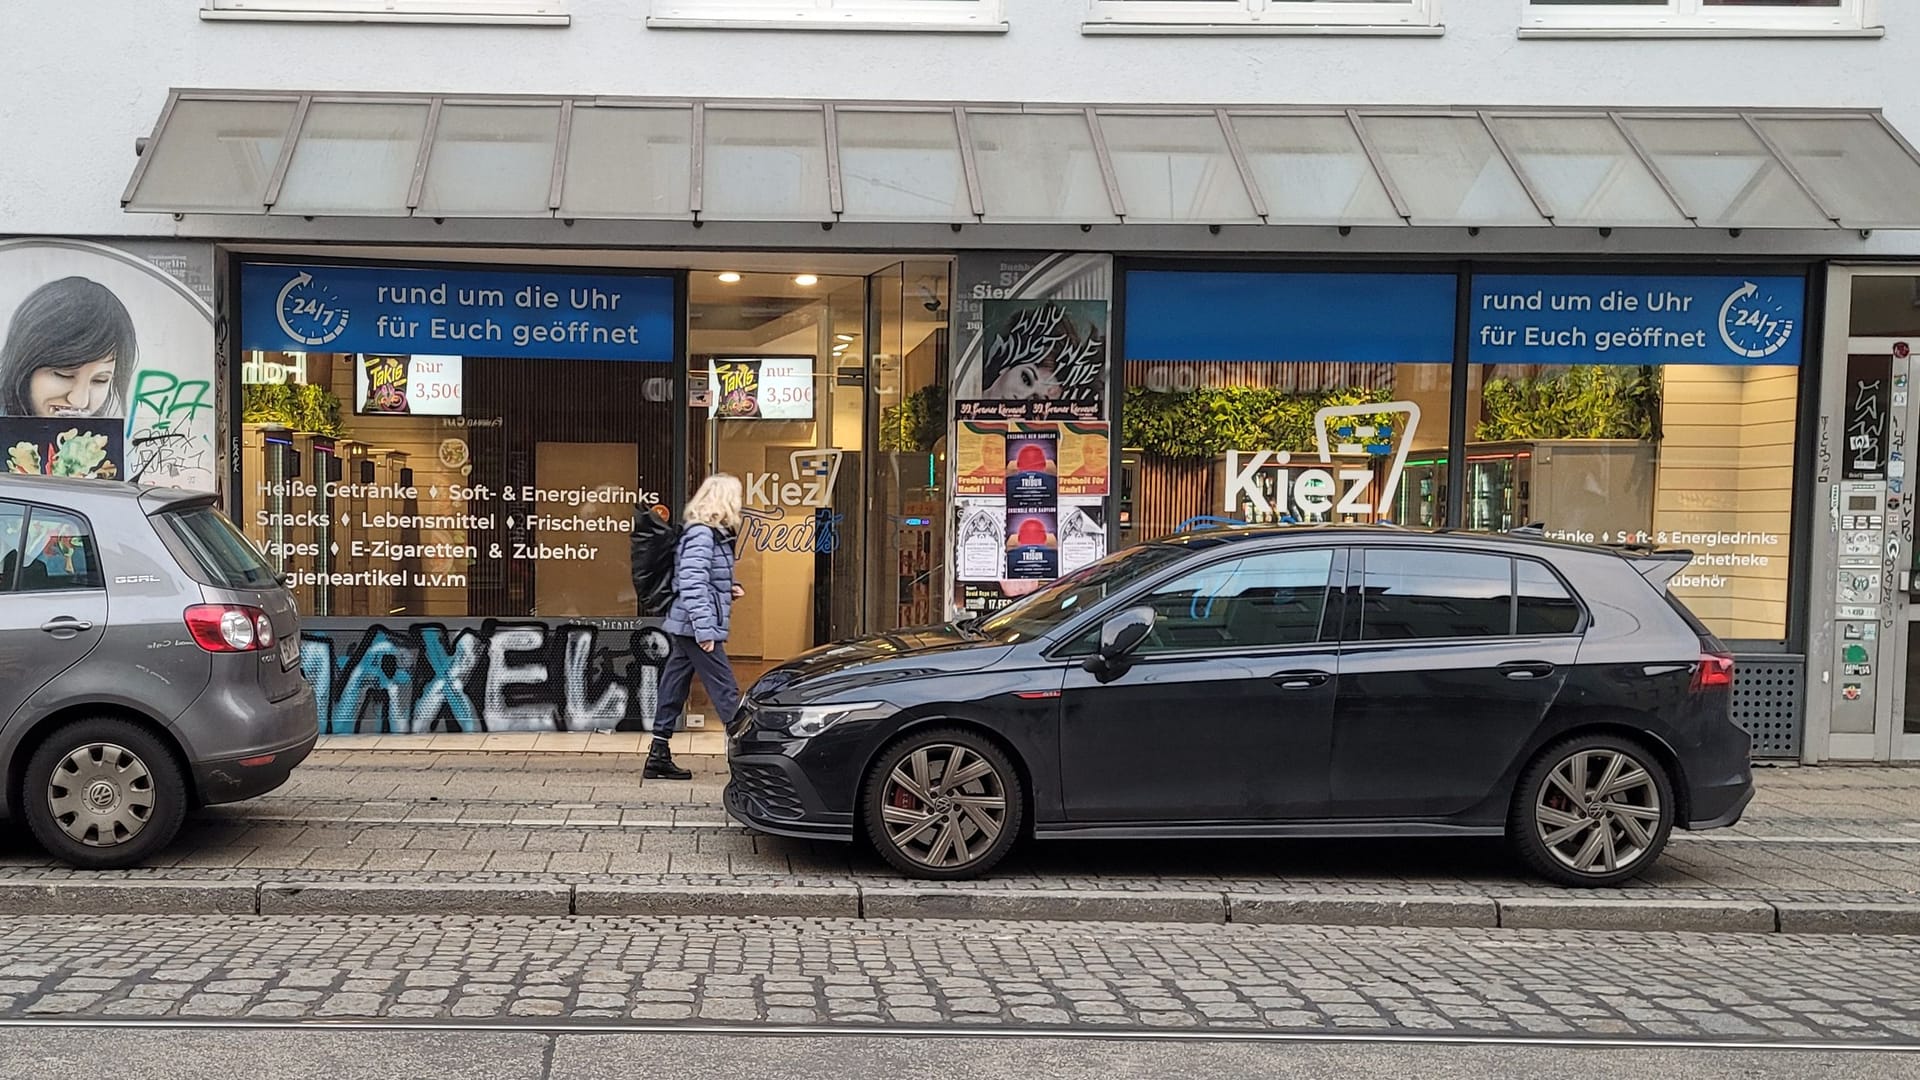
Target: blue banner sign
column 1178, row 315
column 1637, row 319
column 505, row 313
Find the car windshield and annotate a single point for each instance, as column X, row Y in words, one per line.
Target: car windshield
column 1078, row 591
column 222, row 551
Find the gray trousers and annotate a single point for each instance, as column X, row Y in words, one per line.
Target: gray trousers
column 716, row 674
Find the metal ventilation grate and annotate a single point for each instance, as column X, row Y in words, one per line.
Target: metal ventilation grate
column 1768, row 701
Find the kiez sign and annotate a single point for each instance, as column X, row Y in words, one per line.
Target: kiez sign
column 1313, row 491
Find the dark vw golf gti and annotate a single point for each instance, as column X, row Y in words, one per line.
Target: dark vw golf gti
column 1260, row 682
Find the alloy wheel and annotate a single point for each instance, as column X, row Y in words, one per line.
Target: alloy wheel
column 101, row 794
column 944, row 805
column 1598, row 811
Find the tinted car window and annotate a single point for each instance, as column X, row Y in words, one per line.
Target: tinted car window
column 1416, row 595
column 228, row 557
column 1276, row 598
column 59, row 553
column 1542, row 604
column 1077, row 592
column 13, row 518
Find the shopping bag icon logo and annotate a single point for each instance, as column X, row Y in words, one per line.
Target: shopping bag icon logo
column 815, row 471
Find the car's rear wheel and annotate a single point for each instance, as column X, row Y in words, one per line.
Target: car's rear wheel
column 943, row 804
column 1592, row 811
column 102, row 794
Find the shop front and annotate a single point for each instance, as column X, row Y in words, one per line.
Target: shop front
column 446, row 460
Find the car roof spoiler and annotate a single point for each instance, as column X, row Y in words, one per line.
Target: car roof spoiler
column 1657, row 566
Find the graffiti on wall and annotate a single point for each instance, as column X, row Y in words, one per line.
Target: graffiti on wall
column 107, row 360
column 417, row 678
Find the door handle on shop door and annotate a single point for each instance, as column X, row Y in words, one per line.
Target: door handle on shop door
column 1526, row 669
column 66, row 625
column 1301, row 680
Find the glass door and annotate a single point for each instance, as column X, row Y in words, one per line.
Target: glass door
column 907, row 364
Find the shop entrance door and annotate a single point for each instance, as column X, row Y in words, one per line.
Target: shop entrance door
column 1896, row 718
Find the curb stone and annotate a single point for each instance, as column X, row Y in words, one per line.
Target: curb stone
column 347, row 898
column 906, row 901
column 129, row 898
column 1890, row 919
column 1054, row 905
column 1701, row 916
column 791, row 901
column 1428, row 911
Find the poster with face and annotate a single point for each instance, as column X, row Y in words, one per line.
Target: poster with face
column 107, row 361
column 1084, row 459
column 980, row 456
column 1044, row 360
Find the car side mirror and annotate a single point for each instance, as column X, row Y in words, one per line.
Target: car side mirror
column 1122, row 633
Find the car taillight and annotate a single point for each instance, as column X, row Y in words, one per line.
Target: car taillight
column 1715, row 670
column 229, row 628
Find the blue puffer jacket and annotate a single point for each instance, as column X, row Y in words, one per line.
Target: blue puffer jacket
column 702, row 585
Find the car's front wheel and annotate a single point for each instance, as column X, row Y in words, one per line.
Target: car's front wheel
column 1591, row 811
column 943, row 804
column 102, row 794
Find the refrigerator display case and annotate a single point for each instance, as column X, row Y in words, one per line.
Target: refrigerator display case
column 1597, row 487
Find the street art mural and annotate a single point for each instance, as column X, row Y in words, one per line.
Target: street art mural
column 107, row 361
column 484, row 675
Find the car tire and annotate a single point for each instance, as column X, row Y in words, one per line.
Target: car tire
column 103, row 794
column 925, row 827
column 1592, row 811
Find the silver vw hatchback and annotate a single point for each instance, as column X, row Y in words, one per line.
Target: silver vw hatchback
column 149, row 663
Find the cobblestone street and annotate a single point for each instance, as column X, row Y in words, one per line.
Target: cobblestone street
column 1118, row 976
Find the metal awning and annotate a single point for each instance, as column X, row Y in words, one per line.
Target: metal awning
column 433, row 156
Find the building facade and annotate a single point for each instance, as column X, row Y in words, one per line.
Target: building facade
column 440, row 294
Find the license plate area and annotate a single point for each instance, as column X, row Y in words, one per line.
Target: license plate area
column 289, row 651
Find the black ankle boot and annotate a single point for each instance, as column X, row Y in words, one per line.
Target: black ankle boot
column 660, row 764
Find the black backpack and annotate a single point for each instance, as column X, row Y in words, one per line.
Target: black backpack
column 655, row 541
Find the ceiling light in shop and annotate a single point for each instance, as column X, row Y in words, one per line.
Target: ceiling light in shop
column 849, row 337
column 729, row 278
column 804, row 280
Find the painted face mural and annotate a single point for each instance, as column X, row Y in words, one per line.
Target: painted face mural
column 107, row 361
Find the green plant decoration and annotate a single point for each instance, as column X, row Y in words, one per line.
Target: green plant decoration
column 916, row 424
column 312, row 409
column 1208, row 422
column 1583, row 402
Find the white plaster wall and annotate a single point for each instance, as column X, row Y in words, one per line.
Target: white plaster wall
column 83, row 79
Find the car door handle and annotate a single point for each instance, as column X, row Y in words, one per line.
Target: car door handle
column 1526, row 669
column 67, row 625
column 1301, row 680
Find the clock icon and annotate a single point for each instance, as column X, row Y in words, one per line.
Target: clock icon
column 308, row 311
column 1755, row 324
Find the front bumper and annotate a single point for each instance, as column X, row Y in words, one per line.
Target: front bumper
column 771, row 791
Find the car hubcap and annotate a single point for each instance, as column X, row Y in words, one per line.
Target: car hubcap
column 1598, row 811
column 101, row 795
column 944, row 806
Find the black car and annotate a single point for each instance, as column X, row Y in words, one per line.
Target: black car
column 1355, row 681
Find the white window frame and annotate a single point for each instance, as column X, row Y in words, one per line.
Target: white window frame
column 481, row 12
column 1421, row 17
column 977, row 16
column 1693, row 18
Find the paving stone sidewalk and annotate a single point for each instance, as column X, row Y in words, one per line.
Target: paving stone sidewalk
column 570, row 821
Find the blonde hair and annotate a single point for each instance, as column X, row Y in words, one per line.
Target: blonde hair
column 717, row 503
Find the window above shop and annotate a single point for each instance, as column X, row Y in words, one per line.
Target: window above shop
column 1263, row 17
column 521, row 12
column 987, row 16
column 337, row 155
column 1688, row 18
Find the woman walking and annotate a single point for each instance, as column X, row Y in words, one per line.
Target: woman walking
column 696, row 624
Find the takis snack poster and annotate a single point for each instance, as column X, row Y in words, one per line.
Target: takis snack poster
column 1033, row 465
column 1033, row 544
column 387, row 379
column 736, row 389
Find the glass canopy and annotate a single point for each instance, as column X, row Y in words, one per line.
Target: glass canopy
column 372, row 155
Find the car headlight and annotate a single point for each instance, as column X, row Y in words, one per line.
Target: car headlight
column 806, row 721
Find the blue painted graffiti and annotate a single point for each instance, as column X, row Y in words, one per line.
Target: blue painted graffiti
column 426, row 677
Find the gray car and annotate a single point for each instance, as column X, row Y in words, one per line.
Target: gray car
column 149, row 663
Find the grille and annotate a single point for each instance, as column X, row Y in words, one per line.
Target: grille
column 768, row 786
column 1768, row 701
